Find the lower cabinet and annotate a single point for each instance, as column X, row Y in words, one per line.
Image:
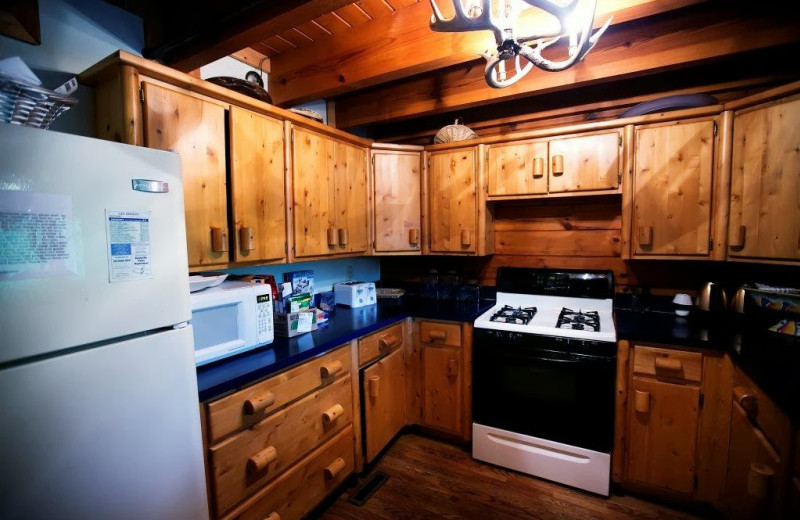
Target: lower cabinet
column 384, row 397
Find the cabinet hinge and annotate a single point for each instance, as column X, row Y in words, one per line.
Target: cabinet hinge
column 619, row 139
column 286, row 247
column 702, row 401
column 141, row 95
column 695, row 481
column 715, row 129
column 619, row 178
column 373, row 161
column 710, row 244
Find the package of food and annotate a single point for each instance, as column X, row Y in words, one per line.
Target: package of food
column 302, row 281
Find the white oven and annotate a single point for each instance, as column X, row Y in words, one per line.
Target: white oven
column 231, row 318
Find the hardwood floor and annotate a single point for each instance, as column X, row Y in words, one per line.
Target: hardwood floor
column 429, row 479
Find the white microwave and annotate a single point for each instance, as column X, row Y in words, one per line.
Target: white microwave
column 231, row 318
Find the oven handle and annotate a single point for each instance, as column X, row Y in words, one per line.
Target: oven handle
column 561, row 357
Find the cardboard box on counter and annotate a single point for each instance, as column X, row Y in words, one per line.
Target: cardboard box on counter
column 292, row 324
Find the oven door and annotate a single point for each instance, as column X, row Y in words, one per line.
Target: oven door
column 524, row 384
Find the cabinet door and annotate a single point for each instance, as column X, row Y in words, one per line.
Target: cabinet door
column 351, row 198
column 765, row 183
column 313, row 193
column 672, row 189
column 453, row 206
column 662, row 432
column 194, row 128
column 257, row 186
column 751, row 491
column 584, row 163
column 442, row 399
column 518, row 169
column 396, row 179
column 384, row 389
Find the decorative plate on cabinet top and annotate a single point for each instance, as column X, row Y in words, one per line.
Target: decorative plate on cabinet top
column 198, row 283
column 243, row 87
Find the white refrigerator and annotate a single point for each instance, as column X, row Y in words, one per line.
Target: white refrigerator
column 99, row 417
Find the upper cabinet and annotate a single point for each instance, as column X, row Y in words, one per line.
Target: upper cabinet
column 765, row 182
column 329, row 195
column 459, row 219
column 396, row 185
column 672, row 188
column 558, row 165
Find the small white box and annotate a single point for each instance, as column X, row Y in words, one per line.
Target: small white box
column 355, row 294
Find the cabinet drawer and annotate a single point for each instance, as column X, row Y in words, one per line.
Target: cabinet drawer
column 248, row 406
column 247, row 461
column 440, row 333
column 667, row 363
column 301, row 488
column 380, row 343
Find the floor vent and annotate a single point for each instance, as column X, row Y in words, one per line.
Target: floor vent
column 362, row 493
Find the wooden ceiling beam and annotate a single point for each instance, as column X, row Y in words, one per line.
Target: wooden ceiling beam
column 626, row 51
column 402, row 44
column 253, row 58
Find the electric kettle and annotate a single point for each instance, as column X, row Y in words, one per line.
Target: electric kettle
column 712, row 298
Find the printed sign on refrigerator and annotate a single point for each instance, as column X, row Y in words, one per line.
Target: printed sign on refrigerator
column 128, row 235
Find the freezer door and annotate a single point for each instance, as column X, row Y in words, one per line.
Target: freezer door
column 69, row 211
column 109, row 432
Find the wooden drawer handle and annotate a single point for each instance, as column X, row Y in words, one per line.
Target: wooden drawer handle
column 246, row 239
column 374, row 386
column 334, row 468
column 387, row 342
column 452, row 367
column 669, row 365
column 645, row 236
column 332, row 413
column 259, row 462
column 258, row 403
column 344, row 237
column 759, row 480
column 558, row 165
column 219, row 239
column 413, row 236
column 332, row 238
column 330, row 369
column 641, row 401
column 746, row 400
column 740, row 240
column 466, row 237
column 437, row 334
column 273, row 516
column 538, row 168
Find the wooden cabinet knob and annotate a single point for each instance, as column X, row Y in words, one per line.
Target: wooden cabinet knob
column 387, row 342
column 332, row 413
column 273, row 516
column 747, row 400
column 452, row 367
column 330, row 369
column 466, row 237
column 641, row 401
column 334, row 468
column 741, row 236
column 664, row 364
column 538, row 168
column 246, row 239
column 413, row 236
column 333, row 237
column 759, row 480
column 344, row 237
column 558, row 165
column 437, row 334
column 219, row 239
column 259, row 462
column 374, row 386
column 645, row 236
column 258, row 403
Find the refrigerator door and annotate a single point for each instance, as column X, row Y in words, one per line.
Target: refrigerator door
column 69, row 211
column 108, row 432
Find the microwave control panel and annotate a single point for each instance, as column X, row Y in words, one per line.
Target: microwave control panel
column 264, row 325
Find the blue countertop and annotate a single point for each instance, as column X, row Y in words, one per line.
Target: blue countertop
column 219, row 378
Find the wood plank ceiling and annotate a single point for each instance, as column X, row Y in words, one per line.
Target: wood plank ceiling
column 384, row 69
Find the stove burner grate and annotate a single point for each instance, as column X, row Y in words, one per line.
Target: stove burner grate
column 578, row 320
column 518, row 315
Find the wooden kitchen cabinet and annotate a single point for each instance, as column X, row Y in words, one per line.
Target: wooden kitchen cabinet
column 516, row 169
column 329, row 187
column 396, row 199
column 585, row 162
column 257, row 186
column 384, row 395
column 194, row 127
column 460, row 222
column 765, row 184
column 672, row 189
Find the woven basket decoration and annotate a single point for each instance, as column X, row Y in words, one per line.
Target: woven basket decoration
column 454, row 132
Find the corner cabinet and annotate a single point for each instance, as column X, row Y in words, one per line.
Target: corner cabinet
column 329, row 195
column 460, row 221
column 396, row 199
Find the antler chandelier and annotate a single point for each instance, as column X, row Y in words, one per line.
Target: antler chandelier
column 499, row 16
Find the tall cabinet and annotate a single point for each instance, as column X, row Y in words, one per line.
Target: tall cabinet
column 396, row 199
